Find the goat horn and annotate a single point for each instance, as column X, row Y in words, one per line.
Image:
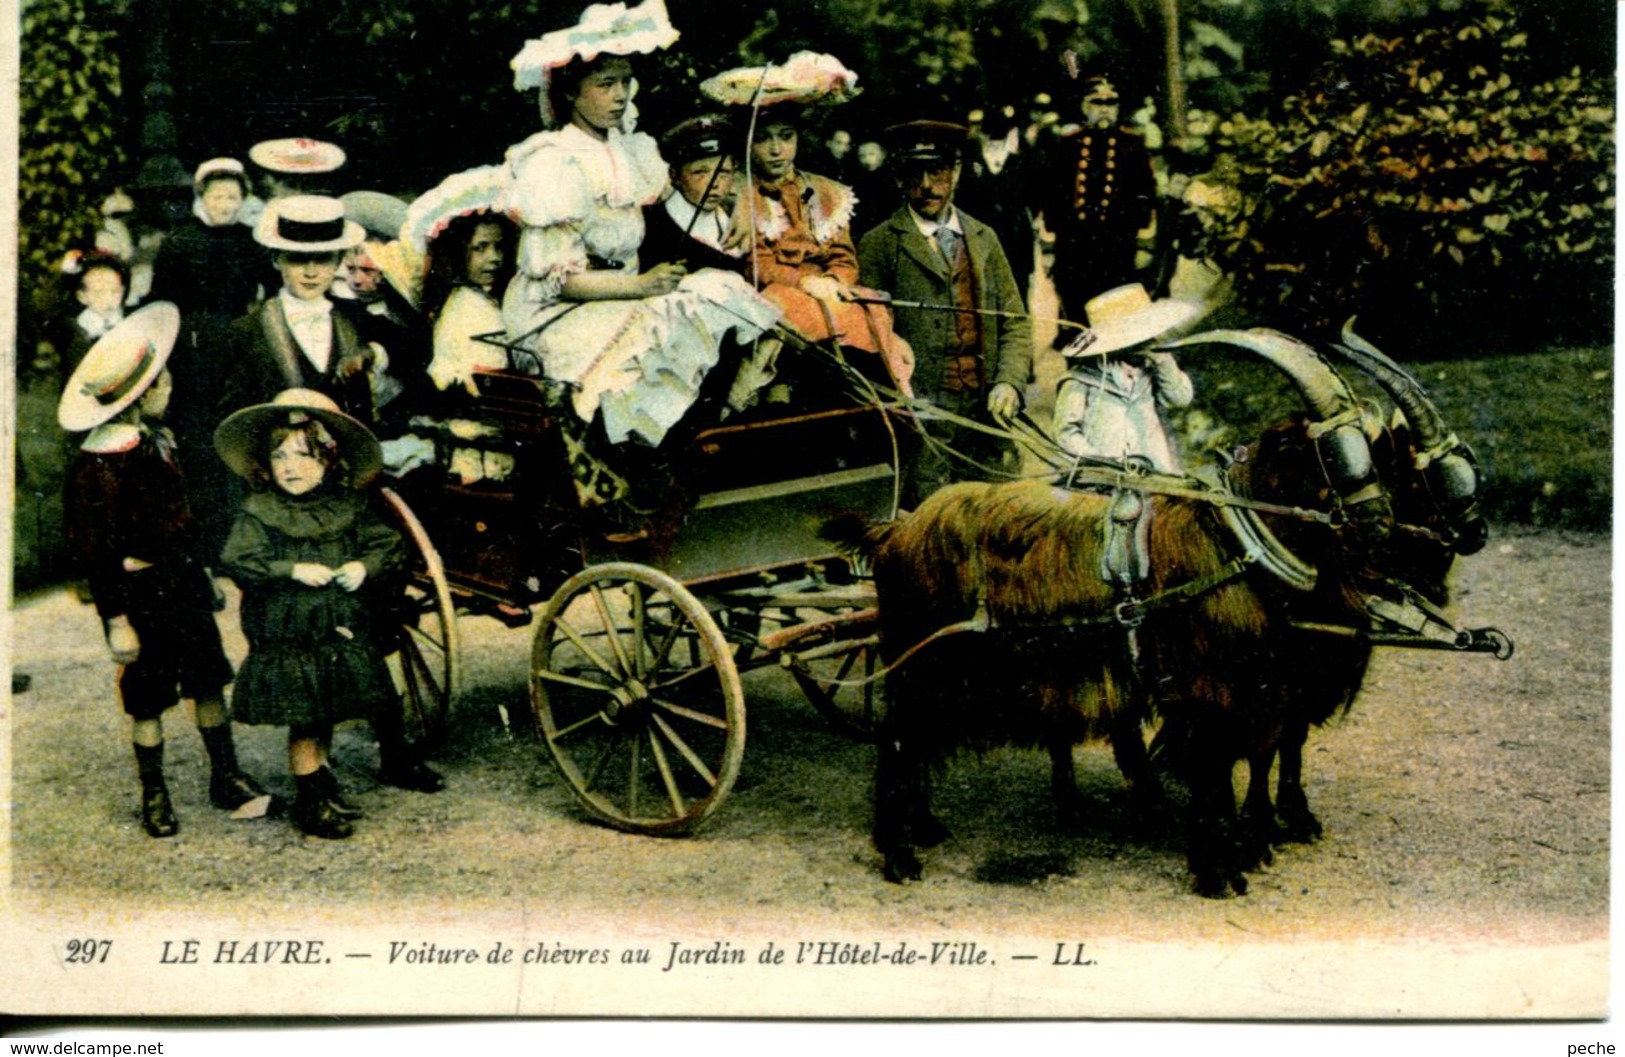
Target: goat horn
column 1328, row 395
column 1456, row 473
column 1406, row 392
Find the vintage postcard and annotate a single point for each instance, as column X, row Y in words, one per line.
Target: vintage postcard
column 643, row 670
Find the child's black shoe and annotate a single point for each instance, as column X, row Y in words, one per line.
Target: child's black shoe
column 328, row 785
column 157, row 813
column 414, row 775
column 317, row 818
column 228, row 792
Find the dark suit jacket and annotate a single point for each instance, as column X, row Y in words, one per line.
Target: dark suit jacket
column 265, row 359
column 664, row 242
column 895, row 257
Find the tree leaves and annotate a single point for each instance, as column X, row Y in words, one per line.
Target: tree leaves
column 68, row 149
column 1440, row 152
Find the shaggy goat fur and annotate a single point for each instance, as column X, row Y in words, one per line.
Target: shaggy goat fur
column 1050, row 671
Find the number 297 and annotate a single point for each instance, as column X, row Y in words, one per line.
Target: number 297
column 88, row 952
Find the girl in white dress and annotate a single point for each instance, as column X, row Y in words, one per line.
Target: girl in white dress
column 633, row 344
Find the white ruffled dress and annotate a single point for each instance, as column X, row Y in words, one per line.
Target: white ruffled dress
column 640, row 362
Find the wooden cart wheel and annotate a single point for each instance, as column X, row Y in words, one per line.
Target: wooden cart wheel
column 828, row 681
column 430, row 664
column 636, row 693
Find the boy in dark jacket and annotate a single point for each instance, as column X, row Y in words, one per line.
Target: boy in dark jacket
column 131, row 529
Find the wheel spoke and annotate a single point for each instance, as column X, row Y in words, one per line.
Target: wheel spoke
column 640, row 617
column 679, row 808
column 570, row 680
column 682, row 746
column 688, row 713
column 420, row 664
column 610, row 630
column 564, row 732
column 598, row 765
column 580, row 643
column 684, row 676
column 840, row 673
column 663, row 652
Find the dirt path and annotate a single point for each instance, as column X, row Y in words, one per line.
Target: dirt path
column 1465, row 802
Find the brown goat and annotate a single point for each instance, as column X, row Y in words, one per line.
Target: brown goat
column 1433, row 480
column 1216, row 656
column 1051, row 672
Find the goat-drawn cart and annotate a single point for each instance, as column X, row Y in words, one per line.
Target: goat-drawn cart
column 640, row 638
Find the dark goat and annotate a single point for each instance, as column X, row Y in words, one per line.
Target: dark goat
column 1215, row 650
column 1433, row 480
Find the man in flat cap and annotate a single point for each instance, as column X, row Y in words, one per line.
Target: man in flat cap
column 973, row 341
column 1096, row 191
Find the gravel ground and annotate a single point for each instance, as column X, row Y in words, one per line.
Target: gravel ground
column 1465, row 802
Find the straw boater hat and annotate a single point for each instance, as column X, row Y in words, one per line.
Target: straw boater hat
column 1126, row 315
column 119, row 367
column 242, row 437
column 296, row 156
column 307, row 224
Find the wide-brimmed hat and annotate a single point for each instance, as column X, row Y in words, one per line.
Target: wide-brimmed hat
column 402, row 267
column 119, row 367
column 307, row 224
column 809, row 78
column 380, row 214
column 1126, row 315
column 483, row 189
column 925, row 141
column 296, row 156
column 604, row 29
column 242, row 438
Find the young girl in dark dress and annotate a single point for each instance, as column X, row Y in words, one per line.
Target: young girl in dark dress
column 315, row 562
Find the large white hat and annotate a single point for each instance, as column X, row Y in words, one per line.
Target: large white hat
column 242, row 437
column 307, row 224
column 604, row 29
column 1126, row 315
column 807, row 77
column 119, row 367
column 483, row 189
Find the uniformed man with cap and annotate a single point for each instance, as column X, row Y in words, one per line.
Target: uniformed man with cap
column 1096, row 191
column 972, row 339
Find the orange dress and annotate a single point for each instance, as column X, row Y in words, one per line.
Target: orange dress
column 802, row 230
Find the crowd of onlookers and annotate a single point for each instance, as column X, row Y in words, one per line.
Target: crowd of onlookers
column 258, row 365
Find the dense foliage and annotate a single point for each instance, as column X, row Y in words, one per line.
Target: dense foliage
column 1449, row 154
column 1435, row 175
column 71, row 121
